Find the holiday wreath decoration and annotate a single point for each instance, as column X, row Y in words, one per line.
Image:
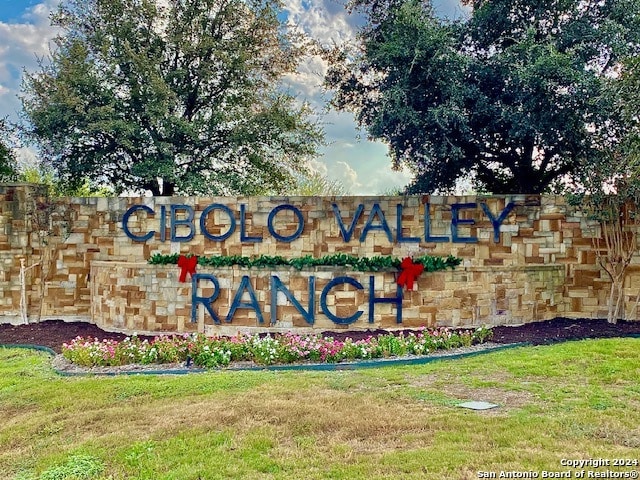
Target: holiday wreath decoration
column 361, row 264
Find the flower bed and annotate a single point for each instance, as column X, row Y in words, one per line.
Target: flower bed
column 212, row 352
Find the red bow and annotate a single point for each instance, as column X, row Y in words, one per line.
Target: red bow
column 187, row 265
column 409, row 272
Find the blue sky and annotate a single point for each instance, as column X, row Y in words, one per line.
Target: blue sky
column 12, row 10
column 361, row 165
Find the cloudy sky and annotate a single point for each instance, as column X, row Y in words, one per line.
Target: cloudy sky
column 361, row 165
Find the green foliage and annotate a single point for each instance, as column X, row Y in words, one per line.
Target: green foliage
column 629, row 104
column 77, row 467
column 434, row 264
column 315, row 184
column 7, row 158
column 392, row 192
column 362, row 264
column 392, row 346
column 171, row 97
column 517, row 96
column 7, row 169
column 607, row 187
column 57, row 188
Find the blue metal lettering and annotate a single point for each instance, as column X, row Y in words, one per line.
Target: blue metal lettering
column 243, row 226
column 376, row 211
column 187, row 222
column 496, row 222
column 456, row 220
column 206, row 301
column 278, row 286
column 245, row 286
column 125, row 223
column 346, row 234
column 203, row 222
column 397, row 300
column 427, row 227
column 323, row 300
column 163, row 223
column 276, row 235
column 399, row 236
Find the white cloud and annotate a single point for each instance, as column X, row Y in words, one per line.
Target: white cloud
column 347, row 175
column 308, row 78
column 22, row 45
column 363, row 168
column 324, row 20
column 28, row 156
column 318, row 167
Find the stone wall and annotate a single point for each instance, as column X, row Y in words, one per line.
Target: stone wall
column 525, row 258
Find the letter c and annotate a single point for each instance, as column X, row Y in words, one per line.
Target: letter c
column 323, row 300
column 125, row 223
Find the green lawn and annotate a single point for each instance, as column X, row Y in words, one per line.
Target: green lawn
column 575, row 400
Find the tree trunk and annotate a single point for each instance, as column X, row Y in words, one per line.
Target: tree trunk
column 615, row 300
column 168, row 189
column 161, row 188
column 154, row 188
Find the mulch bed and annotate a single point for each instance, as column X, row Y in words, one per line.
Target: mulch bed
column 53, row 333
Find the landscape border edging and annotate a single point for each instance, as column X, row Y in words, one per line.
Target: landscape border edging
column 400, row 361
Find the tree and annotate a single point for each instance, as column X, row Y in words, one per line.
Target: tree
column 316, row 184
column 7, row 158
column 513, row 96
column 609, row 193
column 628, row 94
column 608, row 190
column 178, row 96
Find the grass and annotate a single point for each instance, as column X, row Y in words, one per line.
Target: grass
column 574, row 400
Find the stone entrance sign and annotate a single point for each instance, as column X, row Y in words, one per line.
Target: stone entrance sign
column 524, row 258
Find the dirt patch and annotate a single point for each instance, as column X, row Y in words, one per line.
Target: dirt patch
column 53, row 333
column 505, row 398
column 560, row 329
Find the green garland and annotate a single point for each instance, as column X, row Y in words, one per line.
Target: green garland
column 361, row 264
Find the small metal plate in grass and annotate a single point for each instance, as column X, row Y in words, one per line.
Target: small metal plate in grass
column 478, row 405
